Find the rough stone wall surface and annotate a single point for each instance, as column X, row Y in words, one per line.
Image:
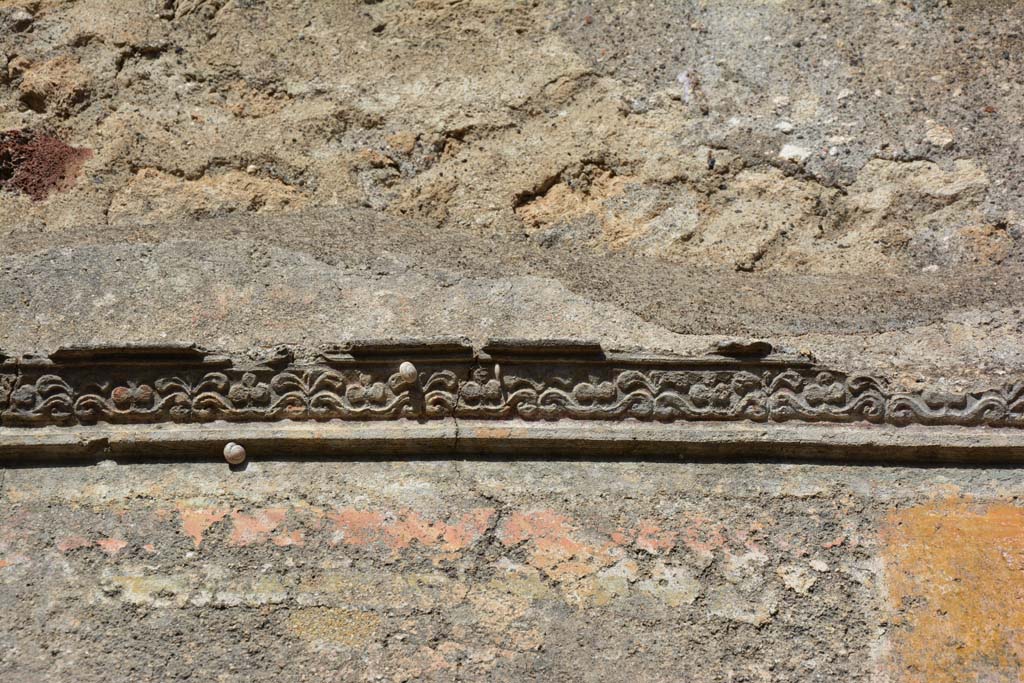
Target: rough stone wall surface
column 510, row 570
column 840, row 177
column 792, row 135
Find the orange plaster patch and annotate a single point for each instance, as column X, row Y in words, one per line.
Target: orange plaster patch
column 195, row 522
column 955, row 575
column 363, row 527
column 73, row 543
column 553, row 547
column 654, row 540
column 470, row 527
column 289, row 538
column 357, row 527
column 621, row 537
column 14, row 560
column 412, row 527
column 256, row 528
column 112, row 546
column 492, row 432
column 703, row 537
column 834, row 543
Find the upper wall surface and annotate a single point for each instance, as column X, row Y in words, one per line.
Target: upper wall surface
column 787, row 136
column 837, row 178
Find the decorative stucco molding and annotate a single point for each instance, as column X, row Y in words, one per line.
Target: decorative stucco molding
column 446, row 379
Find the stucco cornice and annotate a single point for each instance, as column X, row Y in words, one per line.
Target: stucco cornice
column 553, row 389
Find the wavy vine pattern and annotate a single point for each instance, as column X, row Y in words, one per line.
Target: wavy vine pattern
column 594, row 391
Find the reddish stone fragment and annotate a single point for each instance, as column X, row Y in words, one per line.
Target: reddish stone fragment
column 37, row 164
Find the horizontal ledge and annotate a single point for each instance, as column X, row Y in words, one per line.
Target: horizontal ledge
column 450, row 438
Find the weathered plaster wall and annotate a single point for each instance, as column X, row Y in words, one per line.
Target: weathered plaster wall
column 483, row 570
column 841, row 177
column 782, row 135
column 837, row 177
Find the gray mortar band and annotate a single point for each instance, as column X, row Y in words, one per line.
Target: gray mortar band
column 552, row 397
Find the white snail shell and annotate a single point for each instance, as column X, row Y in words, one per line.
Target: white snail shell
column 408, row 372
column 234, row 453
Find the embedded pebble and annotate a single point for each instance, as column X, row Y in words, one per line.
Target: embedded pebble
column 794, row 153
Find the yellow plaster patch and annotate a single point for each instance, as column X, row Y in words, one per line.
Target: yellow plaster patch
column 955, row 574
